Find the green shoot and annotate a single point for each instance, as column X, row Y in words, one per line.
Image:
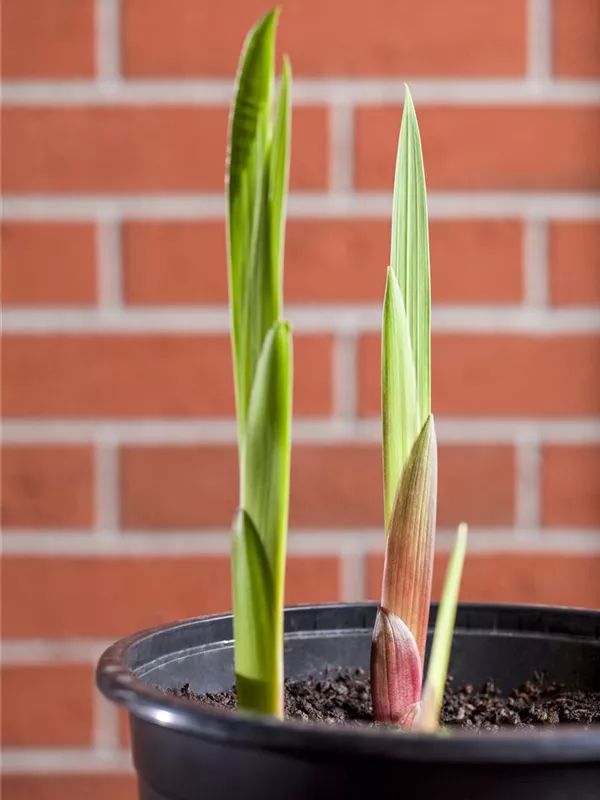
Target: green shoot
column 406, row 339
column 257, row 181
column 400, row 417
column 257, row 173
column 410, row 250
column 278, row 179
column 409, row 463
column 437, row 672
column 256, row 671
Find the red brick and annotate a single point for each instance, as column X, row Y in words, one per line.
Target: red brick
column 112, row 596
column 345, row 261
column 69, row 787
column 575, row 263
column 48, row 264
column 47, row 486
column 326, row 261
column 571, row 486
column 504, row 375
column 476, row 261
column 333, row 38
column 48, row 39
column 174, row 262
column 548, row 578
column 47, row 705
column 576, row 38
column 476, row 485
column 511, row 148
column 342, row 486
column 138, row 149
column 124, row 731
column 178, row 487
column 333, row 486
column 143, row 376
column 336, row 486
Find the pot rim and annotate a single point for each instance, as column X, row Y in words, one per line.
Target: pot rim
column 563, row 744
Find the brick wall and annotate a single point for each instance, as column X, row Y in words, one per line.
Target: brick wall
column 119, row 463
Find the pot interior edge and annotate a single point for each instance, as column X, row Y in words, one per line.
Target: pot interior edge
column 509, row 650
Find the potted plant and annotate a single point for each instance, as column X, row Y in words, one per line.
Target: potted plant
column 184, row 749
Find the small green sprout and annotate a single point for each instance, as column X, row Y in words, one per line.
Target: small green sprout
column 433, row 691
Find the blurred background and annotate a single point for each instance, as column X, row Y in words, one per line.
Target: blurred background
column 119, row 463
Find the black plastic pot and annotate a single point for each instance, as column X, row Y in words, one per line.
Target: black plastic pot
column 185, row 752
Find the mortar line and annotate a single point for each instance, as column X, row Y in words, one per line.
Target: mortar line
column 528, row 485
column 72, row 650
column 539, row 40
column 79, row 761
column 108, row 41
column 535, row 264
column 450, row 430
column 110, row 271
column 106, row 485
column 353, row 577
column 307, row 205
column 345, row 376
column 346, row 321
column 106, row 723
column 110, row 88
column 172, row 543
column 341, row 147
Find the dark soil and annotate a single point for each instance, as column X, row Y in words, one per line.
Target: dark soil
column 344, row 697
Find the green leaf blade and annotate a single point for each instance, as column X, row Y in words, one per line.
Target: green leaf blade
column 433, row 692
column 400, row 418
column 257, row 183
column 265, row 474
column 265, row 479
column 279, row 178
column 410, row 249
column 259, row 672
column 254, row 296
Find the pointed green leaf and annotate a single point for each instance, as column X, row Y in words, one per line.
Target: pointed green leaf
column 410, row 249
column 265, row 474
column 437, row 672
column 254, row 293
column 400, row 414
column 408, row 566
column 258, row 667
column 395, row 671
column 279, row 178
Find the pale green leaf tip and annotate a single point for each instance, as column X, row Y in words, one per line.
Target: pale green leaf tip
column 409, row 113
column 283, row 325
column 263, row 29
column 427, row 432
column 238, row 520
column 270, row 18
column 391, row 284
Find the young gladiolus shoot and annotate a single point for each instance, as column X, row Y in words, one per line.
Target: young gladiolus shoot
column 257, row 180
column 257, row 185
column 410, row 467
